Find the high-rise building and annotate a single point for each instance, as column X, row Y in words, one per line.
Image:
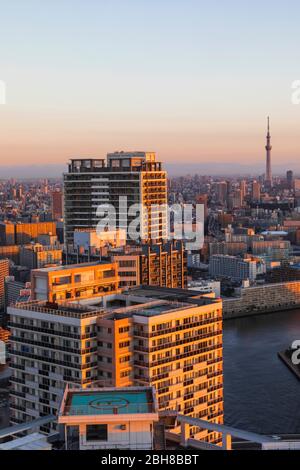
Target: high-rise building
column 4, row 272
column 222, row 192
column 57, row 204
column 243, row 188
column 161, row 264
column 51, row 346
column 256, row 193
column 174, row 345
column 268, row 177
column 290, row 179
column 134, row 176
column 170, row 339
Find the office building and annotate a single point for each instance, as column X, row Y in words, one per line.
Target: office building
column 135, row 176
column 172, row 341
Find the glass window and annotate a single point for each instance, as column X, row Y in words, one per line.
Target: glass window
column 96, row 432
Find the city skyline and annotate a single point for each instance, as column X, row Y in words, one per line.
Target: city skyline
column 135, row 75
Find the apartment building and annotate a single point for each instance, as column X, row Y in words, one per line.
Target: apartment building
column 14, row 290
column 160, row 264
column 74, row 281
column 169, row 339
column 227, row 248
column 174, row 345
column 135, row 176
column 271, row 250
column 51, row 345
column 4, row 272
column 235, row 268
column 262, row 299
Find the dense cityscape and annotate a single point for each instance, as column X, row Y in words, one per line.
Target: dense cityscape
column 114, row 342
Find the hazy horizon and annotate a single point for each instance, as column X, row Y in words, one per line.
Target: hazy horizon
column 175, row 169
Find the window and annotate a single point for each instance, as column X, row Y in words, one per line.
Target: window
column 123, row 329
column 96, row 432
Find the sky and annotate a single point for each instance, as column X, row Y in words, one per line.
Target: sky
column 190, row 79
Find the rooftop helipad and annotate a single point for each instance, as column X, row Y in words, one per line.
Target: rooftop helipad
column 112, row 402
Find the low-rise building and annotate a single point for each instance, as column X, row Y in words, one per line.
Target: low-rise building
column 74, row 281
column 36, row 256
column 235, row 268
column 109, row 418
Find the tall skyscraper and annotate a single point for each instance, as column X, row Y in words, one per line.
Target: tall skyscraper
column 243, row 188
column 268, row 178
column 290, row 179
column 134, row 175
column 256, row 191
column 57, row 210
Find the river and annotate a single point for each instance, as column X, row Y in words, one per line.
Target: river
column 261, row 393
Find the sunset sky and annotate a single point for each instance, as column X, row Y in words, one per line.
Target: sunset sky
column 191, row 80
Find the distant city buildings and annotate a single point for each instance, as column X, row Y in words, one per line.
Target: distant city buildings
column 235, row 268
column 57, row 204
column 22, row 233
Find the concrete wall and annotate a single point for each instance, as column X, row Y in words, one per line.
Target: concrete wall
column 137, row 435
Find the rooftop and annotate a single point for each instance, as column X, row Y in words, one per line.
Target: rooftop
column 171, row 294
column 73, row 266
column 65, row 310
column 108, row 401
